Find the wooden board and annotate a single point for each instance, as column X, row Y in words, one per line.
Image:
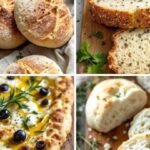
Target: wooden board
column 116, row 136
column 88, row 28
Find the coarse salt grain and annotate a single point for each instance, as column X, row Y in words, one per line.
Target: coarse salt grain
column 107, row 146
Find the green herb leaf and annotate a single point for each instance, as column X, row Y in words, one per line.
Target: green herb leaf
column 95, row 62
column 25, row 123
column 95, row 68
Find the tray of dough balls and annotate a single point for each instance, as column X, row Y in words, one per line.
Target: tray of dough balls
column 36, row 36
column 117, row 113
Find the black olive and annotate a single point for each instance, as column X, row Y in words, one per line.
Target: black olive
column 19, row 136
column 4, row 87
column 4, row 114
column 44, row 102
column 10, row 77
column 44, row 91
column 40, row 145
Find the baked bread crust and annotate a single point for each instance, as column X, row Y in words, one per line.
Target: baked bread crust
column 34, row 64
column 59, row 123
column 141, row 141
column 43, row 22
column 117, row 18
column 112, row 62
column 115, row 101
column 10, row 37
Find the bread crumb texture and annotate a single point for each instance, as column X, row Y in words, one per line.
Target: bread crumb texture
column 130, row 53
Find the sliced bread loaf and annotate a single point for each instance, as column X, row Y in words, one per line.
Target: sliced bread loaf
column 112, row 102
column 140, row 123
column 131, row 52
column 138, row 142
column 122, row 13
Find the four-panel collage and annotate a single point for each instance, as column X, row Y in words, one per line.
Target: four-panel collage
column 74, row 75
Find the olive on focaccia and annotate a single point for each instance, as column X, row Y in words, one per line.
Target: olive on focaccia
column 35, row 112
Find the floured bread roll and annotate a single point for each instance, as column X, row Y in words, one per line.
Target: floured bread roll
column 140, row 123
column 10, row 37
column 46, row 23
column 138, row 142
column 34, row 64
column 112, row 102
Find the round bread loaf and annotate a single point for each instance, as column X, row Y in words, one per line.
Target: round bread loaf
column 138, row 142
column 46, row 23
column 112, row 102
column 10, row 37
column 34, row 64
column 140, row 123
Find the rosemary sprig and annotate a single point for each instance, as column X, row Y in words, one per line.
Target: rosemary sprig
column 16, row 96
column 25, row 123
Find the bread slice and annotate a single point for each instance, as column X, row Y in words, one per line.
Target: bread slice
column 112, row 102
column 131, row 52
column 121, row 13
column 138, row 142
column 140, row 123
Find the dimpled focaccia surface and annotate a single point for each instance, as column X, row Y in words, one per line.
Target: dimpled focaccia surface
column 50, row 123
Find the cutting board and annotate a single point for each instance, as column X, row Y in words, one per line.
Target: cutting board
column 89, row 28
column 116, row 136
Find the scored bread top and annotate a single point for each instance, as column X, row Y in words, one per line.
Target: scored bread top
column 130, row 52
column 43, row 22
column 34, row 64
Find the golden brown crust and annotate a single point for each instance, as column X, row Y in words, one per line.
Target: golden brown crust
column 34, row 64
column 122, row 19
column 112, row 64
column 8, row 30
column 60, row 122
column 48, row 25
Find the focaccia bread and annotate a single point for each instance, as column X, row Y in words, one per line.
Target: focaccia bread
column 112, row 102
column 140, row 123
column 122, row 13
column 138, row 142
column 10, row 37
column 35, row 112
column 43, row 22
column 34, row 64
column 130, row 54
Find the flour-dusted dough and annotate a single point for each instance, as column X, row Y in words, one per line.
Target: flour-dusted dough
column 46, row 23
column 34, row 64
column 10, row 37
column 112, row 102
